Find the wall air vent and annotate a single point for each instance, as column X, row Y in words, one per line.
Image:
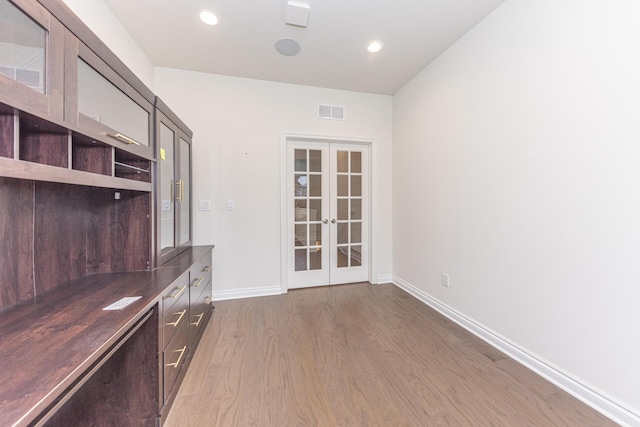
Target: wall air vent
column 330, row 112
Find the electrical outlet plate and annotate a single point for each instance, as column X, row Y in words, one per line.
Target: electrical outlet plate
column 445, row 279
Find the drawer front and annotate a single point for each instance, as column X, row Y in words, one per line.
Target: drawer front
column 173, row 358
column 176, row 292
column 200, row 274
column 175, row 317
column 200, row 310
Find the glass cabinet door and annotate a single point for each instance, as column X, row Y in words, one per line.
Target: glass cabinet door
column 185, row 193
column 102, row 101
column 22, row 48
column 173, row 202
column 31, row 58
column 167, row 180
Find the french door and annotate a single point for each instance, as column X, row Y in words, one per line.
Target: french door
column 327, row 213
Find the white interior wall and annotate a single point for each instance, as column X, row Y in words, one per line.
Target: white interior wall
column 238, row 125
column 516, row 171
column 97, row 16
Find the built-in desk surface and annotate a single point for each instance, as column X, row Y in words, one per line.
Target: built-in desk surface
column 48, row 343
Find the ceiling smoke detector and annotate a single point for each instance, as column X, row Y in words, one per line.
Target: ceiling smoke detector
column 297, row 14
column 288, row 47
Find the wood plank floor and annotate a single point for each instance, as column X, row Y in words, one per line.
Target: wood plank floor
column 358, row 355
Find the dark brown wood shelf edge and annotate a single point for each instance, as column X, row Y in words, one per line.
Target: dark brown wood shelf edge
column 21, row 169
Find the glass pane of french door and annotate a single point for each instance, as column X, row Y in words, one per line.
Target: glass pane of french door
column 349, row 209
column 308, row 225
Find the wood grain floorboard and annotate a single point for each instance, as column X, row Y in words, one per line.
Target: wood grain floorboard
column 358, row 355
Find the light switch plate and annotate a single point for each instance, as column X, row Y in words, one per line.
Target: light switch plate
column 204, row 205
column 231, row 205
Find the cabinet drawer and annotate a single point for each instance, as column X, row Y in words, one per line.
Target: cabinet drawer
column 175, row 317
column 173, row 358
column 178, row 291
column 200, row 274
column 200, row 310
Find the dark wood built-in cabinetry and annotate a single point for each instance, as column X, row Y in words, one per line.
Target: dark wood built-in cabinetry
column 173, row 183
column 84, row 153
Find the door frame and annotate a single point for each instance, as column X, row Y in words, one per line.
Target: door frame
column 373, row 188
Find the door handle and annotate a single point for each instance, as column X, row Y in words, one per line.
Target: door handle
column 325, row 221
column 333, row 221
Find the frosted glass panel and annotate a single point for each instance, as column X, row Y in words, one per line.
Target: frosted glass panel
column 167, row 176
column 101, row 101
column 185, row 194
column 22, row 47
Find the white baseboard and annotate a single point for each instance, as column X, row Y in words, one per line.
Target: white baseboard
column 247, row 293
column 384, row 278
column 571, row 385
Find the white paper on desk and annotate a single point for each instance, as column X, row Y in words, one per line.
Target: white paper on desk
column 122, row 303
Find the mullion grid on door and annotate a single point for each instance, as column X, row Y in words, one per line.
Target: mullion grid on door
column 307, row 220
column 349, row 222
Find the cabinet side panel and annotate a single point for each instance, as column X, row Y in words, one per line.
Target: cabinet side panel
column 6, row 134
column 131, row 250
column 62, row 219
column 16, row 250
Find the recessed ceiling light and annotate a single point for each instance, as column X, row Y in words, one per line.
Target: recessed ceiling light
column 375, row 46
column 208, row 17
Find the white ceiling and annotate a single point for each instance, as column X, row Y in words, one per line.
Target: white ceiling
column 333, row 54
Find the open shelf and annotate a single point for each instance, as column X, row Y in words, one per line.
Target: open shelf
column 43, row 142
column 89, row 155
column 37, row 172
column 131, row 167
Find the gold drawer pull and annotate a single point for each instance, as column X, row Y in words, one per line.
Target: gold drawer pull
column 207, row 301
column 180, row 292
column 197, row 282
column 199, row 319
column 207, row 269
column 179, row 318
column 123, row 138
column 175, row 365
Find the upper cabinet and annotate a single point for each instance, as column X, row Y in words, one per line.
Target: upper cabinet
column 103, row 104
column 31, row 58
column 174, row 184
